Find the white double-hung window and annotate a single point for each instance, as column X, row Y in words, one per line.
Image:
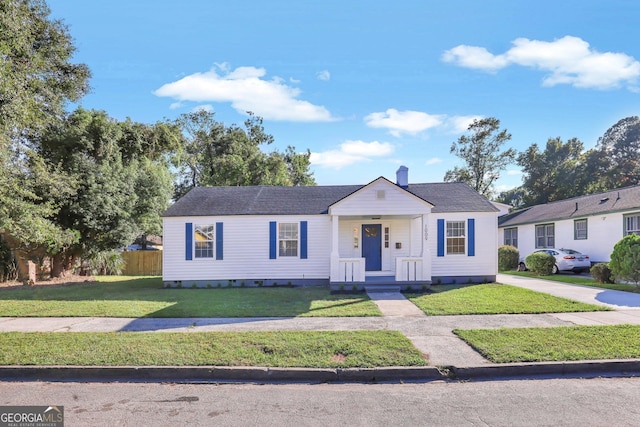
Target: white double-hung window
column 288, row 239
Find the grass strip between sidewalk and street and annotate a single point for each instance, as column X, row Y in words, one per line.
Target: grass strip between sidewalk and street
column 579, row 280
column 565, row 343
column 117, row 296
column 328, row 349
column 493, row 299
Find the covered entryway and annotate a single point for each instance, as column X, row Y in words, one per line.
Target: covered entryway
column 379, row 236
column 372, row 246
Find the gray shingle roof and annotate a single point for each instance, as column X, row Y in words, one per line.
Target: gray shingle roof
column 578, row 207
column 312, row 200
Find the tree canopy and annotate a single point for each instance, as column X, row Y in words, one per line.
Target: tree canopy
column 565, row 169
column 215, row 154
column 481, row 153
column 38, row 75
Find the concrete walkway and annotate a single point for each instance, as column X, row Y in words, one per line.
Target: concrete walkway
column 616, row 300
column 430, row 334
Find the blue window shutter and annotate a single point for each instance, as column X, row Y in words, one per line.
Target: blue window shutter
column 273, row 241
column 441, row 237
column 471, row 243
column 188, row 238
column 303, row 239
column 219, row 241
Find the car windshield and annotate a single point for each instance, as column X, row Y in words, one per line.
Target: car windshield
column 569, row 251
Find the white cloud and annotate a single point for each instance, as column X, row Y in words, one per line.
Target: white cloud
column 323, row 75
column 569, row 60
column 176, row 105
column 351, row 152
column 514, row 172
column 399, row 122
column 504, row 187
column 460, row 124
column 474, row 57
column 433, row 161
column 247, row 90
column 414, row 122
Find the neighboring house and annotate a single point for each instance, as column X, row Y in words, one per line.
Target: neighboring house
column 346, row 236
column 590, row 224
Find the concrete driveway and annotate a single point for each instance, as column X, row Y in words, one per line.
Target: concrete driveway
column 616, row 300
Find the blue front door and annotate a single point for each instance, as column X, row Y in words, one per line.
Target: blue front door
column 372, row 246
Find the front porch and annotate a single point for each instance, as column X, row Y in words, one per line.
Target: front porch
column 351, row 275
column 379, row 238
column 380, row 283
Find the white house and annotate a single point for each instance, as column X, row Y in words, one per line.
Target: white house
column 352, row 235
column 591, row 224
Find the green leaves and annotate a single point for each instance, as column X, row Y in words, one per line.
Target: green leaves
column 216, row 155
column 481, row 153
column 625, row 259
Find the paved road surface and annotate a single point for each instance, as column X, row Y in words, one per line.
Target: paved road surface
column 553, row 402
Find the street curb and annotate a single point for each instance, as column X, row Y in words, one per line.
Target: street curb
column 557, row 369
column 215, row 374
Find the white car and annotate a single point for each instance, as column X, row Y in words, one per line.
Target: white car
column 566, row 260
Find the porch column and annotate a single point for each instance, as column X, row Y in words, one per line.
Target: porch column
column 335, row 248
column 426, row 253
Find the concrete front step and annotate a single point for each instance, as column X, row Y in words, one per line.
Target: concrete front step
column 381, row 288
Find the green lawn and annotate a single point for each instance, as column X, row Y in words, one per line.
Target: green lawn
column 333, row 349
column 146, row 297
column 493, row 299
column 555, row 344
column 579, row 280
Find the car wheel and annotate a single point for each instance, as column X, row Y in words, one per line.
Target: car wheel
column 554, row 269
column 522, row 267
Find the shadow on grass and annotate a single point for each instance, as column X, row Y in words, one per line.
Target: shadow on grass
column 146, row 297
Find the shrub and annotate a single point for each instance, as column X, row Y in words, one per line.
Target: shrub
column 508, row 257
column 625, row 259
column 540, row 263
column 106, row 263
column 601, row 273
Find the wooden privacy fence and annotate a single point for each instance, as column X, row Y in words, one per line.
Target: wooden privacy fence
column 142, row 263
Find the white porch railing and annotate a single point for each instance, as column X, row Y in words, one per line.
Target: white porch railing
column 350, row 270
column 408, row 269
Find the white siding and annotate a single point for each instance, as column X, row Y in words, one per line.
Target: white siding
column 381, row 198
column 246, row 250
column 399, row 232
column 603, row 232
column 485, row 260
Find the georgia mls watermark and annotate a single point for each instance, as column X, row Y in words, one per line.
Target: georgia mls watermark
column 31, row 416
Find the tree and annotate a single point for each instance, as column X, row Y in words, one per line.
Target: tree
column 514, row 197
column 625, row 259
column 38, row 77
column 555, row 173
column 37, row 80
column 121, row 190
column 214, row 155
column 481, row 152
column 615, row 162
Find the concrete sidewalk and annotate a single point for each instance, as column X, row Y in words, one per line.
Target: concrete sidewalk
column 432, row 335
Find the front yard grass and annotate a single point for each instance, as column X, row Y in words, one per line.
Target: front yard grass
column 146, row 297
column 344, row 349
column 579, row 280
column 493, row 299
column 555, row 344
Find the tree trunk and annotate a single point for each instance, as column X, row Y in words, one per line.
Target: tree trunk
column 61, row 264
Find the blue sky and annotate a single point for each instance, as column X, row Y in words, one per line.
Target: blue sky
column 367, row 86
